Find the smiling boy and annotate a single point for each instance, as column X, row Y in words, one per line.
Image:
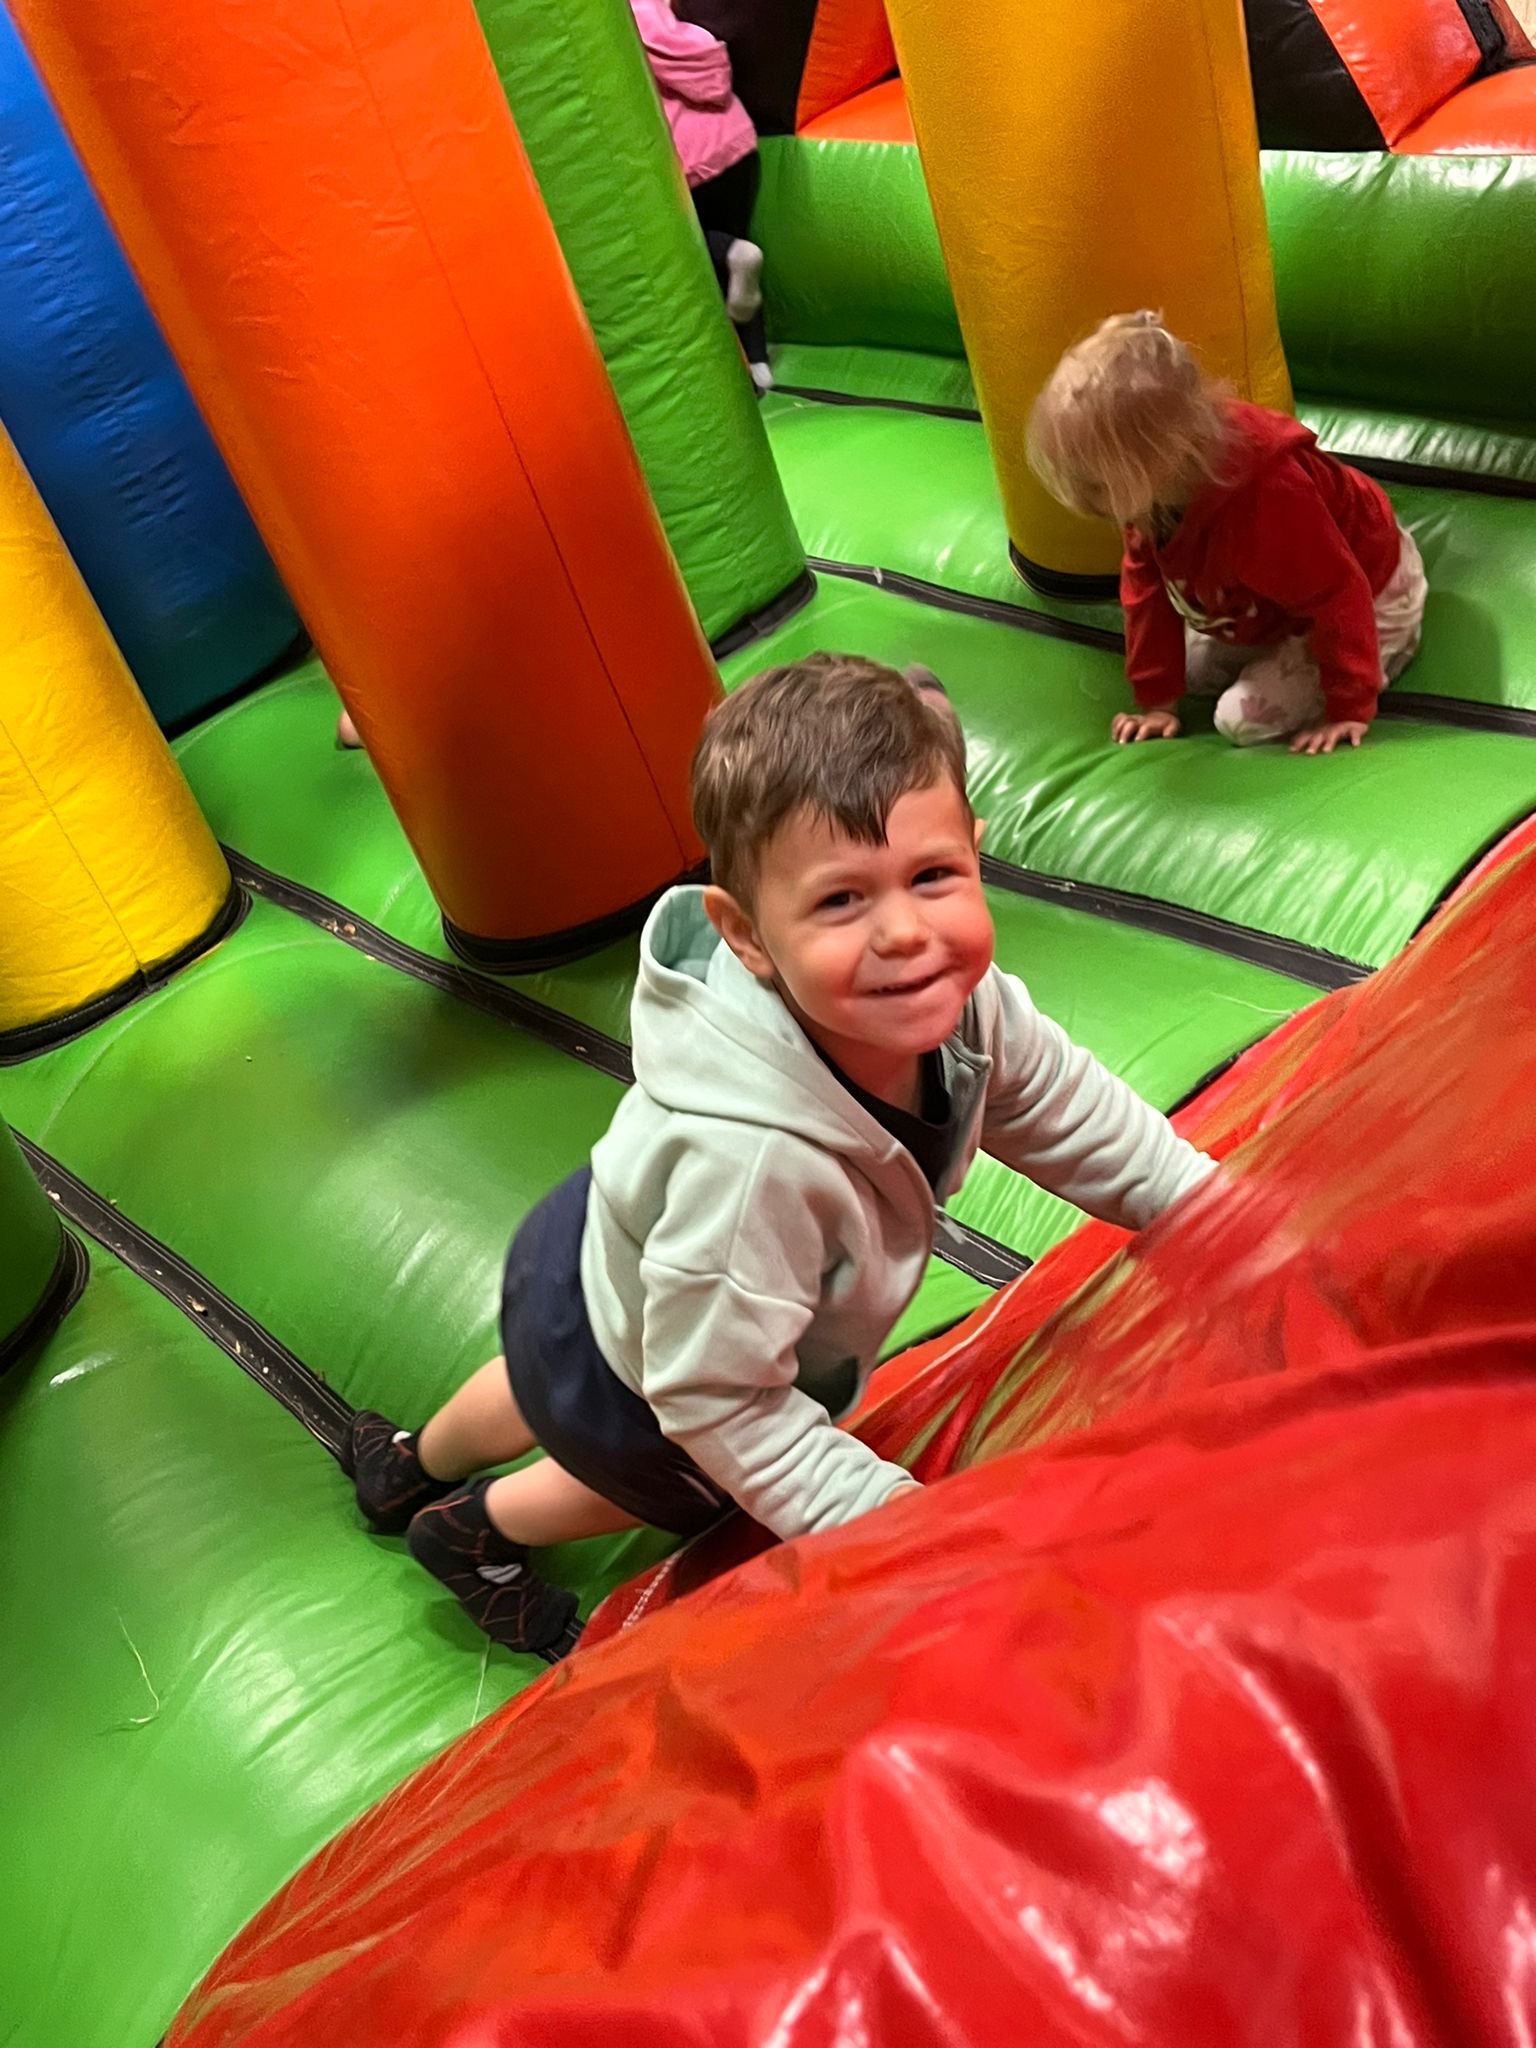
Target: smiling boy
column 821, row 1046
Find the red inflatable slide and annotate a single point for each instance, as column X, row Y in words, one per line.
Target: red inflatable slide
column 1194, row 1711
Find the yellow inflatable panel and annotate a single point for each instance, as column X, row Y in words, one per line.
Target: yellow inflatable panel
column 107, row 867
column 1085, row 161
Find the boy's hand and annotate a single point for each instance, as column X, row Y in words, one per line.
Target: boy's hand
column 1130, row 726
column 1322, row 739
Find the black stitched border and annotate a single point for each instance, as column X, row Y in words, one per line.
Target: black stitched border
column 1310, row 964
column 326, row 1414
column 1464, row 712
column 819, row 397
column 767, row 618
column 1484, row 483
column 25, row 1041
column 1433, row 476
column 998, row 611
column 65, row 1285
column 1469, row 714
column 508, row 1005
column 983, row 1258
column 323, row 1412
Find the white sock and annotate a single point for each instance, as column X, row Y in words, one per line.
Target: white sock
column 762, row 376
column 744, row 290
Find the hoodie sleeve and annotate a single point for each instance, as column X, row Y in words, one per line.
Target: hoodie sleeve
column 1055, row 1114
column 685, row 59
column 719, row 1362
column 1294, row 553
column 1154, row 632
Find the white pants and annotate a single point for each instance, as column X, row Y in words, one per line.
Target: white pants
column 1264, row 692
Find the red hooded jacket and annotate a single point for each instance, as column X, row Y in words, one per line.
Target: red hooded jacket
column 1286, row 540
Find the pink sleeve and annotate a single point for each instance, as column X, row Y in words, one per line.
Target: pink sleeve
column 685, row 59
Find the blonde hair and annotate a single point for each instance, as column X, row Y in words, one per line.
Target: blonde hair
column 834, row 734
column 1128, row 422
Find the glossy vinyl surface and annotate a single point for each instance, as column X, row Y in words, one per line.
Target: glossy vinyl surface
column 1157, row 1011
column 309, row 252
column 29, row 1239
column 106, row 867
column 1349, row 860
column 590, row 121
column 1406, row 56
column 1436, row 321
column 157, row 1505
column 1147, row 1739
column 1336, row 1229
column 1041, row 202
column 1346, row 879
column 863, row 480
column 1490, row 116
column 106, row 426
column 342, row 1150
column 850, row 49
column 1209, row 1719
column 1401, row 282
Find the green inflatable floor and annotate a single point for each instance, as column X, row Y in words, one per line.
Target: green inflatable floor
column 860, row 477
column 211, row 1667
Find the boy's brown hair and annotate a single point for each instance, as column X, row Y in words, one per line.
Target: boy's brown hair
column 835, row 734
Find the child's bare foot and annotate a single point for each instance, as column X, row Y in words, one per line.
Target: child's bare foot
column 347, row 734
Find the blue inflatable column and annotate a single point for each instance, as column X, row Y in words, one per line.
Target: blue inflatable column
column 103, row 421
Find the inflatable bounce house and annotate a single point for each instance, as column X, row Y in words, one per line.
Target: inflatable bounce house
column 1191, row 1701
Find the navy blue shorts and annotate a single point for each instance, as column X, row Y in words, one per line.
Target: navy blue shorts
column 578, row 1408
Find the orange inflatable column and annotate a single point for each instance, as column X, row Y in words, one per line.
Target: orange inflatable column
column 330, row 211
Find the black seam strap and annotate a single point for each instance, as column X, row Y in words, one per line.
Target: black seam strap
column 1395, row 702
column 1290, row 957
column 1386, row 468
column 983, row 1258
column 323, row 1412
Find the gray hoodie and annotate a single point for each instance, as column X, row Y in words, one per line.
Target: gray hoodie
column 753, row 1234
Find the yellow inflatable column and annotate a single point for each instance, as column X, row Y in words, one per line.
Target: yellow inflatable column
column 1085, row 161
column 108, row 871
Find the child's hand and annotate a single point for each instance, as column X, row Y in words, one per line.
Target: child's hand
column 1130, row 726
column 1322, row 739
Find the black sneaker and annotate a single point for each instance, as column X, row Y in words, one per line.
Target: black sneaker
column 492, row 1578
column 392, row 1483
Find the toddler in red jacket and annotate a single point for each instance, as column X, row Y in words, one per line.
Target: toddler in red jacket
column 1257, row 570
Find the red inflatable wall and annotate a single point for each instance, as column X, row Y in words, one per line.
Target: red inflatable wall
column 1206, row 1722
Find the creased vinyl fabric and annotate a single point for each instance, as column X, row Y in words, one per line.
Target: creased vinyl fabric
column 1050, row 1354
column 107, row 428
column 424, row 437
column 1206, row 1722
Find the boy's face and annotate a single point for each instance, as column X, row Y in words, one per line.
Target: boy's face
column 875, row 948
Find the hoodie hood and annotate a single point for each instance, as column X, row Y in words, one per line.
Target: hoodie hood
column 711, row 1040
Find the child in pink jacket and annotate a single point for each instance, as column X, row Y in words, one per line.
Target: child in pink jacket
column 717, row 142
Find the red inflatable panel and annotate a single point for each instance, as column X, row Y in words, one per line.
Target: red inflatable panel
column 1209, row 1722
column 934, row 1396
column 1406, row 56
column 1490, row 116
